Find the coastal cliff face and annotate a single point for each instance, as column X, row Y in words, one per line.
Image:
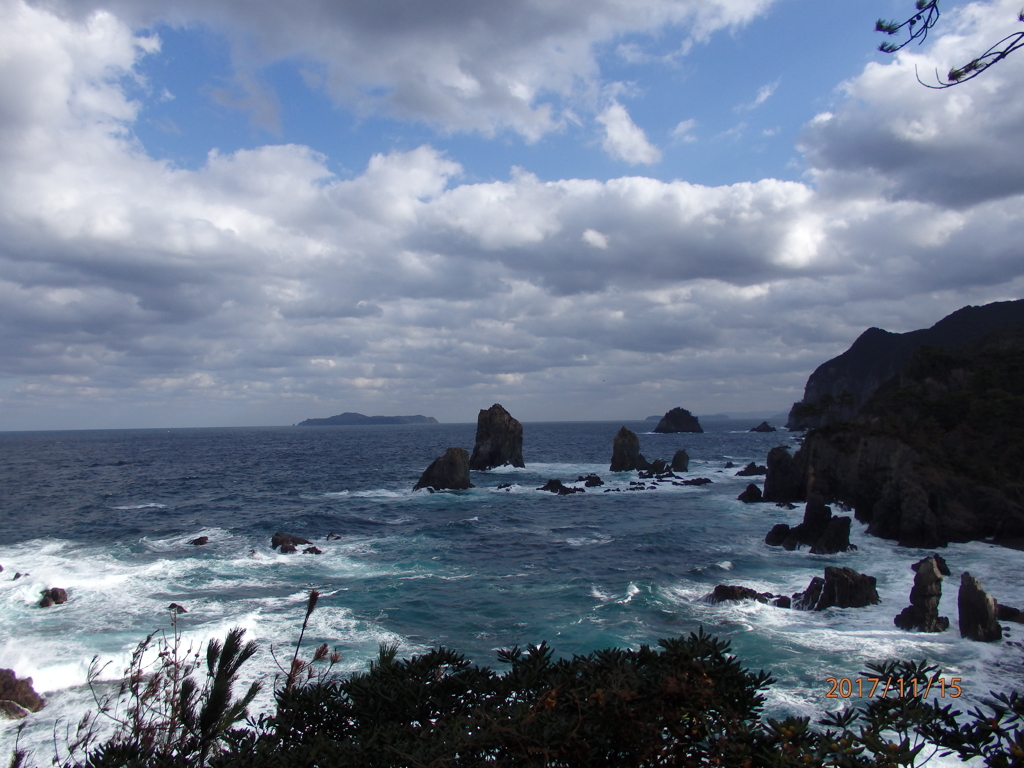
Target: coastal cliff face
column 839, row 388
column 936, row 455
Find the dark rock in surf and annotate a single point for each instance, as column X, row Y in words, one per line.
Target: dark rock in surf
column 750, row 495
column 835, row 538
column 658, row 466
column 312, row 551
column 626, row 454
column 556, row 486
column 201, row 541
column 11, row 711
column 752, row 469
column 20, row 691
column 499, row 440
column 1006, row 613
column 332, row 536
column 841, row 588
column 764, row 426
column 784, row 480
column 777, row 535
column 53, row 596
column 697, row 481
column 450, row 470
column 724, row 592
column 286, row 542
column 590, row 481
column 678, row 420
column 977, row 611
column 681, row 461
column 923, row 612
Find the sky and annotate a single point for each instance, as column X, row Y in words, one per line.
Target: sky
column 243, row 212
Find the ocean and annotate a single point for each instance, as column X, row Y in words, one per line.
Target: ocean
column 108, row 515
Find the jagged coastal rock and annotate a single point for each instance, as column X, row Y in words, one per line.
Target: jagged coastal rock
column 752, row 469
column 678, row 420
column 977, row 610
column 923, row 612
column 841, row 588
column 824, row 533
column 449, row 471
column 556, row 486
column 681, row 461
column 626, row 454
column 764, row 426
column 933, row 457
column 499, row 440
column 839, row 388
column 349, row 419
column 19, row 692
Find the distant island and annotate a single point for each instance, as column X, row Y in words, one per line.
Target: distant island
column 353, row 419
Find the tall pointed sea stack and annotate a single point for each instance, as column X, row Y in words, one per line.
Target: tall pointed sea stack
column 626, row 454
column 923, row 612
column 499, row 440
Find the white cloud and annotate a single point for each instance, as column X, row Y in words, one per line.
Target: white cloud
column 595, row 239
column 624, row 140
column 684, row 131
column 764, row 93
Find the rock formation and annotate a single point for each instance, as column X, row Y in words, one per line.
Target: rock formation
column 287, row 543
column 923, row 612
column 724, row 592
column 626, row 454
column 752, row 469
column 934, row 456
column 681, row 461
column 499, row 440
column 451, row 470
column 977, row 611
column 53, row 596
column 841, row 588
column 20, row 692
column 824, row 533
column 840, row 387
column 201, row 541
column 678, row 420
column 750, row 495
column 590, row 481
column 764, row 426
column 556, row 486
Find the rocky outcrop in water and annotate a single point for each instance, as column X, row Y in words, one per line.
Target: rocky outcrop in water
column 820, row 530
column 53, row 596
column 681, row 461
column 626, row 454
column 20, row 693
column 287, row 543
column 841, row 588
column 922, row 614
column 764, row 426
column 731, row 592
column 499, row 440
column 977, row 611
column 200, row 542
column 448, row 471
column 750, row 495
column 752, row 469
column 590, row 481
column 556, row 486
column 678, row 420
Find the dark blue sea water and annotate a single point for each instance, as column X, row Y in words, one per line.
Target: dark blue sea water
column 108, row 515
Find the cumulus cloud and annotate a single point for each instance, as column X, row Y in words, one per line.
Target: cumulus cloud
column 261, row 286
column 462, row 65
column 624, row 139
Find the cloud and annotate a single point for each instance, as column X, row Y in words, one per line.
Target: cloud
column 684, row 131
column 263, row 288
column 764, row 93
column 624, row 140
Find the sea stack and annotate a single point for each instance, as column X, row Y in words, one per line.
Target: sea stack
column 977, row 611
column 450, row 470
column 626, row 454
column 923, row 612
column 678, row 420
column 499, row 440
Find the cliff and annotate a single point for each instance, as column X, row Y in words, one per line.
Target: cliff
column 350, row 419
column 935, row 455
column 840, row 387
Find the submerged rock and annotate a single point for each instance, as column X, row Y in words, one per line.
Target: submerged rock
column 450, row 470
column 678, row 420
column 626, row 454
column 201, row 541
column 977, row 611
column 499, row 440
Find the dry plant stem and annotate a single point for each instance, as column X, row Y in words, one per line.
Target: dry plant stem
column 296, row 666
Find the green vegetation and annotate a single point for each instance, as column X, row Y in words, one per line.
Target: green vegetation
column 686, row 703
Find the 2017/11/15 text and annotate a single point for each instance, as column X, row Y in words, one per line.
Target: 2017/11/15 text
column 845, row 687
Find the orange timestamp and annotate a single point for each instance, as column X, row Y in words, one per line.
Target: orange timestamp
column 846, row 687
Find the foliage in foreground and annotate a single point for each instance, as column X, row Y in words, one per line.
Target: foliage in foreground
column 686, row 703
